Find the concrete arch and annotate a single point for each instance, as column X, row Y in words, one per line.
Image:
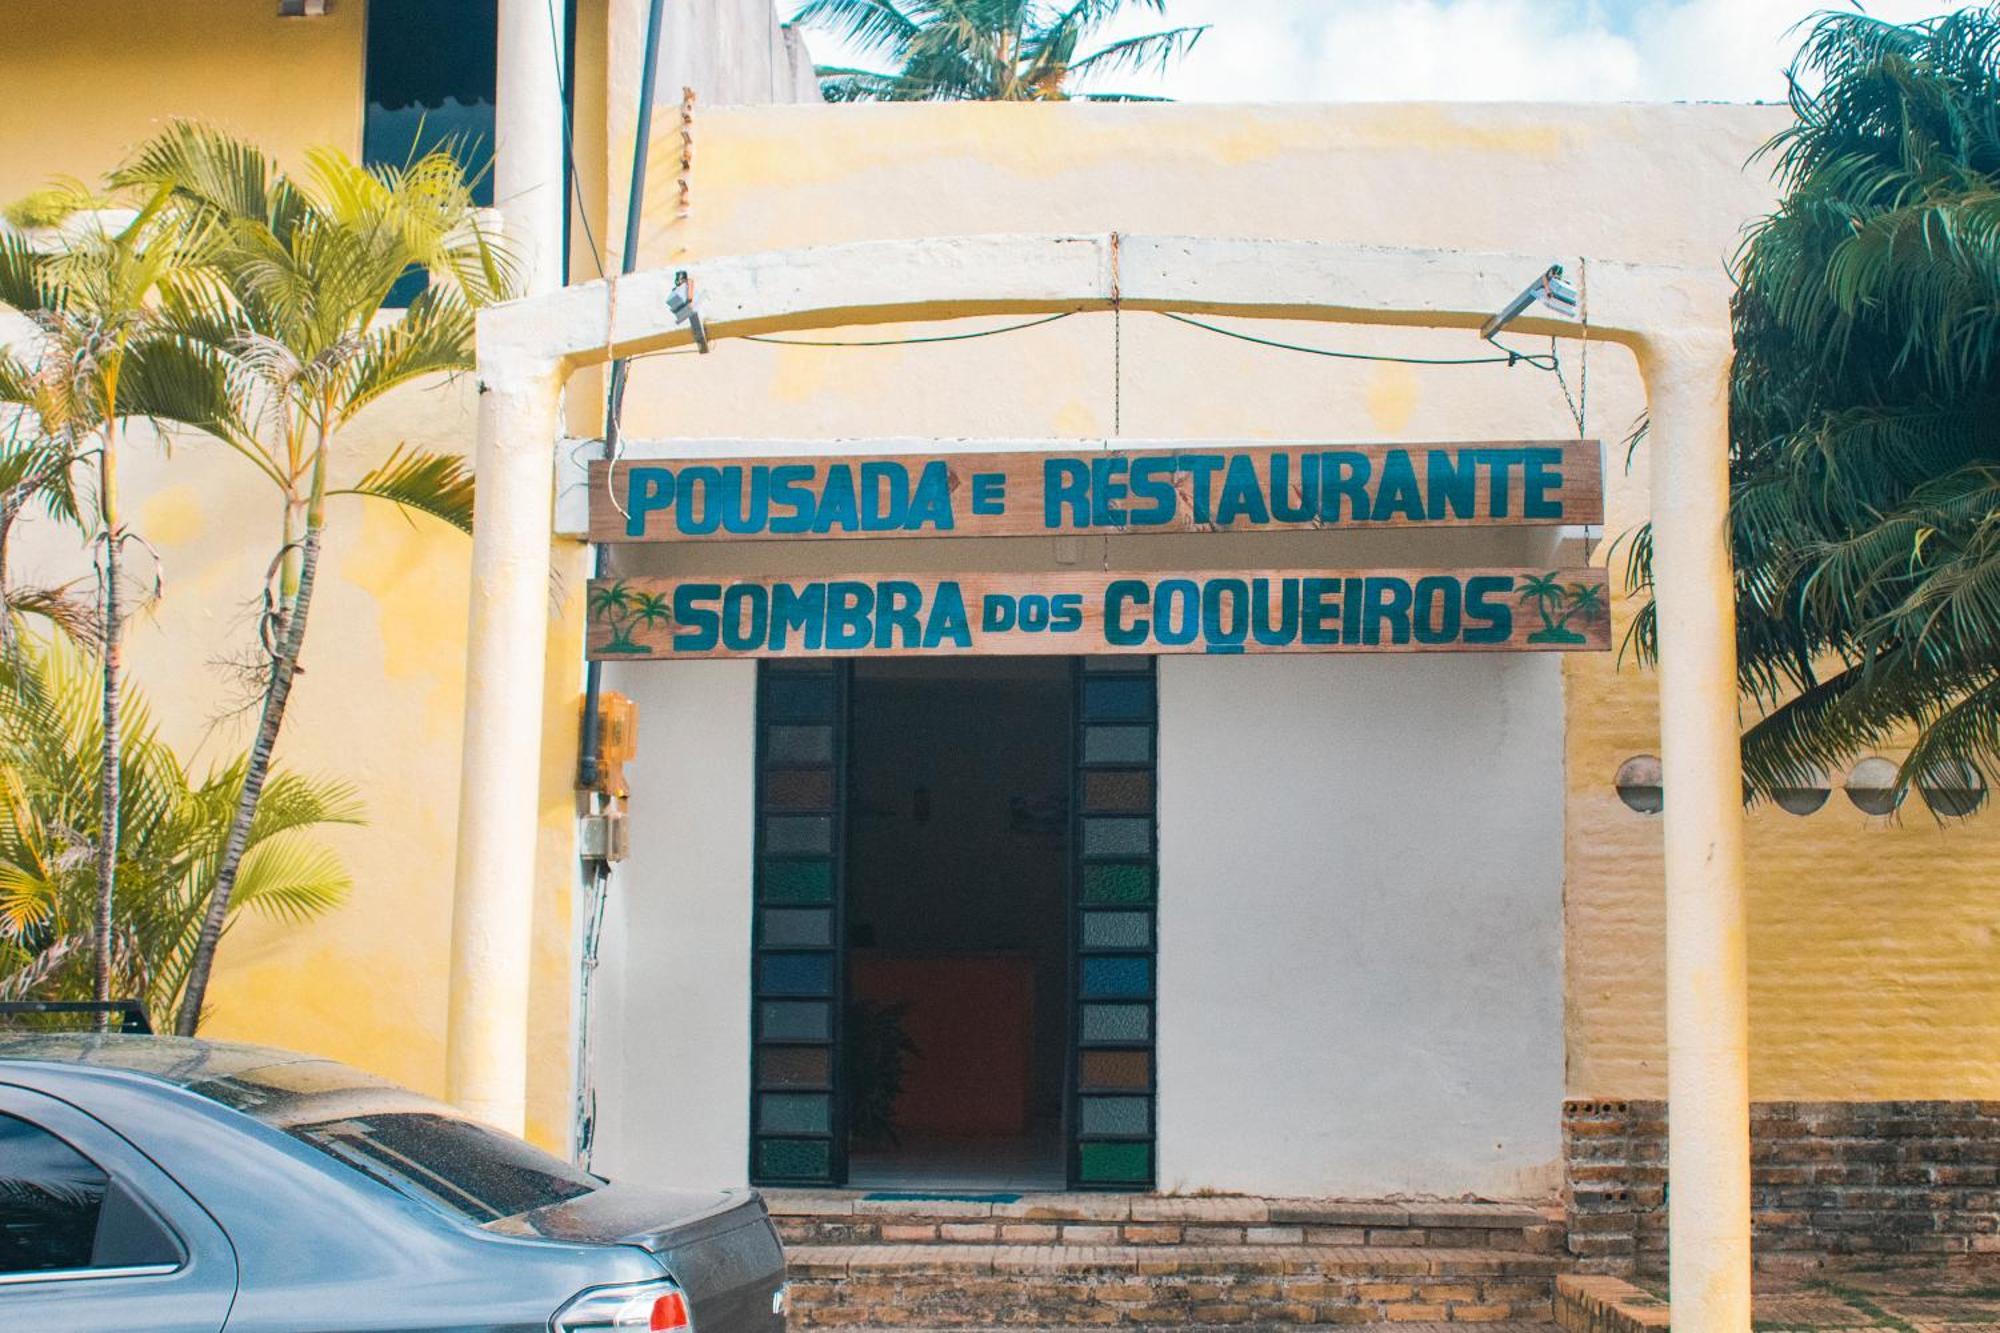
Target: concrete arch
column 1675, row 320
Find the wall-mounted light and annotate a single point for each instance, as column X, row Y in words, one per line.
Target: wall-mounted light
column 304, row 9
column 1806, row 797
column 1953, row 790
column 1550, row 289
column 1638, row 784
column 1872, row 786
column 680, row 304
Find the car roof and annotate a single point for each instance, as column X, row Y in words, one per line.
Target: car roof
column 181, row 1061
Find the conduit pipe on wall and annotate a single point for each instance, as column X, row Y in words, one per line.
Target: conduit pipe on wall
column 1675, row 320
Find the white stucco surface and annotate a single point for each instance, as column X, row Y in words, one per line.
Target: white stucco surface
column 1361, row 867
column 672, row 1009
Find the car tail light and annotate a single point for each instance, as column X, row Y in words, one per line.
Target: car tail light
column 655, row 1307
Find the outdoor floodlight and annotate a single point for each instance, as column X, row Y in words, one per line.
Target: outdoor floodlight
column 1953, row 790
column 304, row 9
column 1549, row 289
column 1872, row 786
column 1639, row 784
column 1806, row 797
column 680, row 304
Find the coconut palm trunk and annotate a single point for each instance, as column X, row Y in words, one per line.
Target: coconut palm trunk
column 277, row 692
column 109, row 811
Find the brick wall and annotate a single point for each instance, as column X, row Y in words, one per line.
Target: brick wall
column 1880, row 1181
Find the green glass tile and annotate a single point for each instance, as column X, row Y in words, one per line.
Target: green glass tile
column 1105, row 930
column 1116, row 837
column 794, row 928
column 1115, row 1163
column 794, row 1159
column 1117, row 745
column 807, row 1112
column 1116, row 1022
column 1115, row 885
column 797, row 882
column 798, row 745
column 1120, row 1116
column 798, row 835
column 795, row 1020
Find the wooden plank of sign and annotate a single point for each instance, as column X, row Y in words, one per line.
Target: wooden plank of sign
column 1002, row 494
column 1090, row 613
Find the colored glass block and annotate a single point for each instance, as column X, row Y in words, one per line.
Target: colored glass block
column 798, row 666
column 1123, row 663
column 799, row 789
column 795, row 1067
column 1117, row 745
column 798, row 698
column 1117, row 837
column 1118, row 791
column 798, row 745
column 1117, row 885
column 1115, row 1163
column 795, row 1113
column 1123, row 1071
column 793, row 928
column 1123, row 1116
column 1118, row 698
column 797, row 882
column 798, row 835
column 1117, row 1022
column 795, row 1159
column 795, row 1020
column 1117, row 978
column 797, row 974
column 1117, row 930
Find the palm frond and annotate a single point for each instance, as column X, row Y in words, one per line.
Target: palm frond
column 431, row 483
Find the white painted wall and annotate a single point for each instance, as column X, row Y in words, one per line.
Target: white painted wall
column 1361, row 924
column 672, row 1007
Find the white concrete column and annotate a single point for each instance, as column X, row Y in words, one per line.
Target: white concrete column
column 486, row 1054
column 1708, row 1072
column 528, row 141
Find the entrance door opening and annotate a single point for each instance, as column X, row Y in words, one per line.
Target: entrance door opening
column 957, row 909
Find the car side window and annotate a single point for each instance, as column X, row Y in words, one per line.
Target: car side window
column 51, row 1196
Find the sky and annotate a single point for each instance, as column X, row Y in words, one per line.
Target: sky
column 1476, row 50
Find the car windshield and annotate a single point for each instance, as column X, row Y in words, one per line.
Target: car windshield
column 455, row 1165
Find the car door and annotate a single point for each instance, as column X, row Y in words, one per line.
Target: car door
column 94, row 1237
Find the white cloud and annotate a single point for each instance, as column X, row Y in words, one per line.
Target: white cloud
column 1484, row 50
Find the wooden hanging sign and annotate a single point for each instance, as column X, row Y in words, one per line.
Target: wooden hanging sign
column 1159, row 488
column 1074, row 613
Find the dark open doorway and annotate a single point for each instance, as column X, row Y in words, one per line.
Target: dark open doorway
column 957, row 922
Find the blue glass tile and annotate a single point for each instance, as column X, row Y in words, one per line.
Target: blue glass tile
column 1118, row 699
column 1117, row 978
column 797, row 974
column 798, row 698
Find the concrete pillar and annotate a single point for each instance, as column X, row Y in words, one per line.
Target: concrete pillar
column 1708, row 1073
column 486, row 1056
column 528, row 145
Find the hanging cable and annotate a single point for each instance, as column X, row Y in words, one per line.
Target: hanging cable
column 1507, row 357
column 908, row 342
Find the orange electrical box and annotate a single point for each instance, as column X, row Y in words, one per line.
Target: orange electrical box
column 617, row 741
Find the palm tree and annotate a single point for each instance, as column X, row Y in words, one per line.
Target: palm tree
column 1865, row 410
column 102, row 355
column 987, row 50
column 307, row 344
column 169, row 843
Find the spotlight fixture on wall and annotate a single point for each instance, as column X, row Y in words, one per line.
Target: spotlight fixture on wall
column 680, row 304
column 1639, row 784
column 304, row 9
column 1550, row 289
column 1873, row 788
column 1805, row 797
column 1953, row 789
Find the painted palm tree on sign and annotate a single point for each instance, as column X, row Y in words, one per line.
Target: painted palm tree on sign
column 1558, row 605
column 988, row 50
column 306, row 343
column 621, row 608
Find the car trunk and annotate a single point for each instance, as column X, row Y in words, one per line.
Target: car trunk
column 719, row 1245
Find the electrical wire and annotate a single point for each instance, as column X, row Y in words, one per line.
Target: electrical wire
column 1508, row 356
column 556, row 48
column 910, row 342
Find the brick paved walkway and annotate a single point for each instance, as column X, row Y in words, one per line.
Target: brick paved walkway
column 1960, row 1298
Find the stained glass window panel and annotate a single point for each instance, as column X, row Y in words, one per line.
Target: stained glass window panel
column 1117, row 884
column 795, row 1067
column 1117, row 930
column 1117, row 978
column 1118, row 698
column 1117, row 1022
column 791, row 928
column 798, row 882
column 798, row 745
column 794, row 1159
column 1121, row 1071
column 1123, row 1116
column 797, row 974
column 1115, row 1163
column 1117, row 745
column 789, row 698
column 799, row 789
column 795, row 1113
column 1117, row 837
column 795, row 1020
column 1118, row 791
column 798, row 835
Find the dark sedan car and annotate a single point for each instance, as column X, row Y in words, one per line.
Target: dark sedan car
column 189, row 1187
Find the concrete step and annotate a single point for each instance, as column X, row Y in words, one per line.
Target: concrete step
column 844, row 1217
column 974, row 1285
